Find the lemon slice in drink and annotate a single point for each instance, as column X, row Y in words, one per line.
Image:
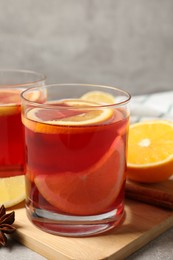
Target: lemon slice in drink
column 12, row 190
column 78, row 113
column 100, row 97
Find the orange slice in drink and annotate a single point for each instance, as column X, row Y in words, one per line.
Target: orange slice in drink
column 89, row 192
column 100, row 97
column 74, row 113
column 150, row 151
column 9, row 101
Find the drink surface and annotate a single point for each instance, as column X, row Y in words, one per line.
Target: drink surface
column 11, row 133
column 75, row 158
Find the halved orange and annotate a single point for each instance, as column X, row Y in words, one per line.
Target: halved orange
column 150, row 151
column 9, row 101
column 77, row 113
column 100, row 97
column 92, row 191
column 12, row 190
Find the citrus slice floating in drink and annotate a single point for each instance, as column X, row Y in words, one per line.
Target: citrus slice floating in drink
column 9, row 96
column 150, row 151
column 100, row 97
column 35, row 95
column 9, row 101
column 69, row 113
column 89, row 192
column 12, row 190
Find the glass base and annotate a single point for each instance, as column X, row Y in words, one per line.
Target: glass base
column 75, row 226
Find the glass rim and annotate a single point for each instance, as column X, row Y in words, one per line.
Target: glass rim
column 127, row 95
column 23, row 71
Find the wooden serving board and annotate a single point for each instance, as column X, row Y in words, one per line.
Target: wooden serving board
column 142, row 224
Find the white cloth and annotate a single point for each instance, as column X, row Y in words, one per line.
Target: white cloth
column 152, row 106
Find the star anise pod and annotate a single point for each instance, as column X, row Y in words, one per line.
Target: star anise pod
column 6, row 221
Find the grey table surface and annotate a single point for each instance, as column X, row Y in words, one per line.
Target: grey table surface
column 123, row 43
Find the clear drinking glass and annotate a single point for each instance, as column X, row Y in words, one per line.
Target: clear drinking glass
column 76, row 140
column 12, row 83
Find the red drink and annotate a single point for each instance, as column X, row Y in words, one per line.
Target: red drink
column 12, row 150
column 73, row 167
column 11, row 134
column 12, row 83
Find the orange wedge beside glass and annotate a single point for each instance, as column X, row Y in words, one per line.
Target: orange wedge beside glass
column 76, row 158
column 150, row 151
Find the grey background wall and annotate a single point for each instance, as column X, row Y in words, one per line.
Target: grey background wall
column 125, row 43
